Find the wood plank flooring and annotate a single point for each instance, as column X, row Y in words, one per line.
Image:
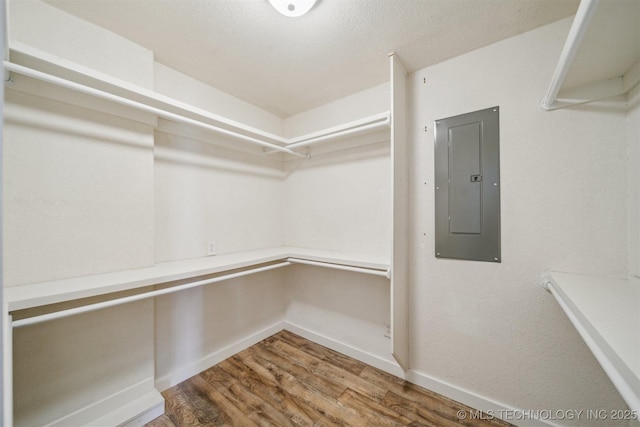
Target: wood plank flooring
column 287, row 380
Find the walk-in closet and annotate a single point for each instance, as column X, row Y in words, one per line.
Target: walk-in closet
column 167, row 204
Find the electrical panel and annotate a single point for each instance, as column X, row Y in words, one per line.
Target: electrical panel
column 467, row 186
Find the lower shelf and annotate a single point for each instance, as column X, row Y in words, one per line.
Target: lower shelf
column 40, row 294
column 606, row 314
column 224, row 267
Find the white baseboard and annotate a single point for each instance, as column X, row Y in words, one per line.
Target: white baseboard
column 387, row 365
column 132, row 406
column 475, row 401
column 145, row 409
column 151, row 414
column 176, row 377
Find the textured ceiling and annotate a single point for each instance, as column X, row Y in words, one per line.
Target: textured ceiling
column 289, row 65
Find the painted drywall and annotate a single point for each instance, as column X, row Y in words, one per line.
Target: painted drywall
column 203, row 192
column 352, row 309
column 340, row 201
column 490, row 328
column 72, row 363
column 207, row 193
column 78, row 200
column 361, row 104
column 72, row 174
column 193, row 327
column 176, row 85
column 47, row 28
column 633, row 180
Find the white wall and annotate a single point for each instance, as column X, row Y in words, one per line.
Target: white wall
column 195, row 328
column 356, row 106
column 65, row 365
column 340, row 201
column 182, row 87
column 488, row 328
column 72, row 174
column 205, row 192
column 78, row 189
column 633, row 142
column 44, row 27
column 352, row 309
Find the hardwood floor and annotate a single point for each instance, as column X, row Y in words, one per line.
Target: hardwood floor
column 287, row 380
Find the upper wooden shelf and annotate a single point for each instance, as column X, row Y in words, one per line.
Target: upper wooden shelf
column 606, row 313
column 44, row 293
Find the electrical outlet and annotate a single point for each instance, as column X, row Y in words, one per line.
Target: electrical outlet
column 212, row 248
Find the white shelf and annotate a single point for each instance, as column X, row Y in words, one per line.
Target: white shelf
column 170, row 114
column 606, row 313
column 36, row 59
column 355, row 128
column 40, row 294
column 597, row 62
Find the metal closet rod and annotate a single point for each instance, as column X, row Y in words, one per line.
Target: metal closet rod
column 124, row 300
column 29, row 72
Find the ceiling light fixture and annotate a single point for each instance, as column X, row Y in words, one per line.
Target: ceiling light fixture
column 292, row 8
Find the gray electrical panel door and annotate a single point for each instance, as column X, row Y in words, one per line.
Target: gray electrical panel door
column 467, row 186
